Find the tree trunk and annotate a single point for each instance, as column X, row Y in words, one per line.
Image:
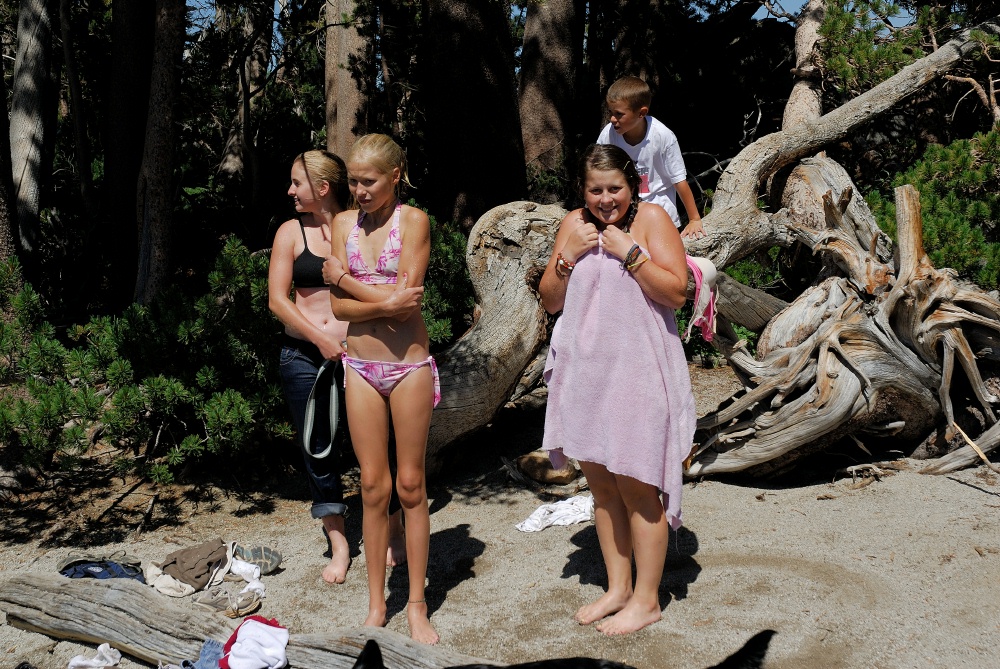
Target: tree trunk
column 344, row 104
column 239, row 156
column 28, row 126
column 77, row 112
column 507, row 250
column 156, row 182
column 804, row 102
column 8, row 228
column 468, row 67
column 127, row 95
column 154, row 628
column 550, row 57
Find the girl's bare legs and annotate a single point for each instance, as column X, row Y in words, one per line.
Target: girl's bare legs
column 649, row 542
column 368, row 421
column 411, row 403
column 613, row 532
column 340, row 552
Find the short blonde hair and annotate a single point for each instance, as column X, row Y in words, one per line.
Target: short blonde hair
column 382, row 153
column 633, row 91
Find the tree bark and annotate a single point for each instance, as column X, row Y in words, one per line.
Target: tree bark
column 550, row 57
column 28, row 118
column 804, row 102
column 127, row 109
column 506, row 251
column 78, row 114
column 344, row 104
column 156, row 182
column 8, row 226
column 154, row 628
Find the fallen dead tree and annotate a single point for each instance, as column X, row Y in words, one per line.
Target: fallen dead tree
column 481, row 370
column 869, row 354
column 854, row 356
column 152, row 627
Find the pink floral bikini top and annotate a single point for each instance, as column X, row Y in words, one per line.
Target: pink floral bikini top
column 387, row 264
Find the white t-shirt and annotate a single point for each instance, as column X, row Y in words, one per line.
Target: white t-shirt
column 659, row 162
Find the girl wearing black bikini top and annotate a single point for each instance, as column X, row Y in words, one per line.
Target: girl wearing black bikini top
column 313, row 336
column 376, row 277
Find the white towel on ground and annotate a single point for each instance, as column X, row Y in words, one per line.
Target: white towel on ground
column 577, row 509
column 106, row 657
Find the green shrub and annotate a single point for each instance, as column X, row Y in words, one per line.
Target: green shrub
column 176, row 380
column 959, row 188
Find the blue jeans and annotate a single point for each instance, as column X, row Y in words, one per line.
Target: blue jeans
column 299, row 364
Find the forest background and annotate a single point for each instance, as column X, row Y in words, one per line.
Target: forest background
column 150, row 145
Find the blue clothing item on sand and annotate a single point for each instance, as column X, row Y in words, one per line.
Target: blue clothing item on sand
column 103, row 569
column 211, row 652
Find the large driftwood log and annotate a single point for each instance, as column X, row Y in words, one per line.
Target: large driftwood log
column 481, row 370
column 141, row 622
column 872, row 353
column 480, row 373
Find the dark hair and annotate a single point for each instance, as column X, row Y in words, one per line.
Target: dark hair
column 605, row 158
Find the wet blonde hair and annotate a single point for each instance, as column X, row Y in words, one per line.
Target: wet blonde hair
column 633, row 91
column 323, row 166
column 385, row 155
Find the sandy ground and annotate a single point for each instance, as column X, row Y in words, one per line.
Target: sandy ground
column 893, row 573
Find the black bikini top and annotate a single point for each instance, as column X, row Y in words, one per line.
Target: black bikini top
column 307, row 270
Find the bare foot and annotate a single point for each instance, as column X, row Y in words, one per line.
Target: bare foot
column 335, row 573
column 630, row 619
column 608, row 603
column 396, row 555
column 376, row 618
column 340, row 552
column 420, row 626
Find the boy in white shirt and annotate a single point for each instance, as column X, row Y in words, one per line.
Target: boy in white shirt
column 653, row 147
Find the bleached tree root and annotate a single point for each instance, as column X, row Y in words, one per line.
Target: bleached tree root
column 871, row 353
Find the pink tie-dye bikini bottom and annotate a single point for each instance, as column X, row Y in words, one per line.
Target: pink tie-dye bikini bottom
column 384, row 376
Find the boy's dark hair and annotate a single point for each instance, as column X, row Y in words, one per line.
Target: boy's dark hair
column 632, row 90
column 605, row 158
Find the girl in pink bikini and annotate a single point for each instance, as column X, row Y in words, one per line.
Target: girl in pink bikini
column 376, row 275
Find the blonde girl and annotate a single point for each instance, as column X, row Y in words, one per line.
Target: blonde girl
column 380, row 254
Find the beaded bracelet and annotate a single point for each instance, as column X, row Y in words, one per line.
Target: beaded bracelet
column 563, row 264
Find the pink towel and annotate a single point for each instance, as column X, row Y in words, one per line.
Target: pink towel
column 619, row 389
column 705, row 295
